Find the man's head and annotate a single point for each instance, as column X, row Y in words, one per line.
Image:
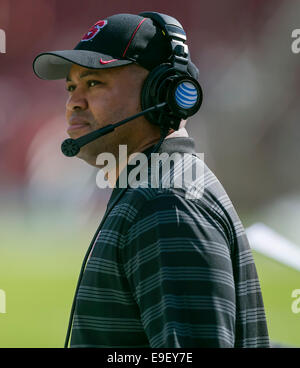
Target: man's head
column 104, row 96
column 119, row 40
column 105, row 75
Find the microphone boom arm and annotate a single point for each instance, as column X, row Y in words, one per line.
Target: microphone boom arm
column 71, row 147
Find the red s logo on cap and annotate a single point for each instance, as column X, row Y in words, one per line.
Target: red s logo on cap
column 91, row 33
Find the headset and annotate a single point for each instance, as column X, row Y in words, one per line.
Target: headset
column 171, row 82
column 169, row 94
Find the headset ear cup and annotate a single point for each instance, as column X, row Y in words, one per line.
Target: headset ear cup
column 182, row 93
column 149, row 94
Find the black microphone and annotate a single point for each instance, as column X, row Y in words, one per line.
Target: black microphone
column 71, row 147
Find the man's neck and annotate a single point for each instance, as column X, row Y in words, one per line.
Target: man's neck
column 182, row 132
column 123, row 162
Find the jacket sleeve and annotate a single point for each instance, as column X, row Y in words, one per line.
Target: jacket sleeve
column 177, row 261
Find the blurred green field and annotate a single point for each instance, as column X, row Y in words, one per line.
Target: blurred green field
column 39, row 269
column 277, row 283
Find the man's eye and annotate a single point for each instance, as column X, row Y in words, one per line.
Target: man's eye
column 92, row 83
column 70, row 88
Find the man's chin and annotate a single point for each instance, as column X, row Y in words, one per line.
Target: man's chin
column 86, row 155
column 89, row 154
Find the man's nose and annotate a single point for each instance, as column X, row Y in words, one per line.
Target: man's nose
column 77, row 100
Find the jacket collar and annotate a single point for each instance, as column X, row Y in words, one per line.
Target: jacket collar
column 170, row 145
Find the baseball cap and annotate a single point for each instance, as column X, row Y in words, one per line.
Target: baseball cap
column 120, row 39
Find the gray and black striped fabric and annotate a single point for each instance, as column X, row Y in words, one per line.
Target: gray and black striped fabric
column 170, row 269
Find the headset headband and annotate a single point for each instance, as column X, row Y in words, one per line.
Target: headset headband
column 176, row 35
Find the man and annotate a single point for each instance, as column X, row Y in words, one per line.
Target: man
column 170, row 265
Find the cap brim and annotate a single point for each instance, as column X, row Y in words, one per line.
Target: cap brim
column 56, row 64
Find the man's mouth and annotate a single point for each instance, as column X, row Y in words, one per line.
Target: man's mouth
column 76, row 126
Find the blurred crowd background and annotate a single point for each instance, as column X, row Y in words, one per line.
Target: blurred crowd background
column 248, row 127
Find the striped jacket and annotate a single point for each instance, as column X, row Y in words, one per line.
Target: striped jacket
column 170, row 267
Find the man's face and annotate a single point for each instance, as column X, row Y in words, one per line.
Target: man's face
column 101, row 97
